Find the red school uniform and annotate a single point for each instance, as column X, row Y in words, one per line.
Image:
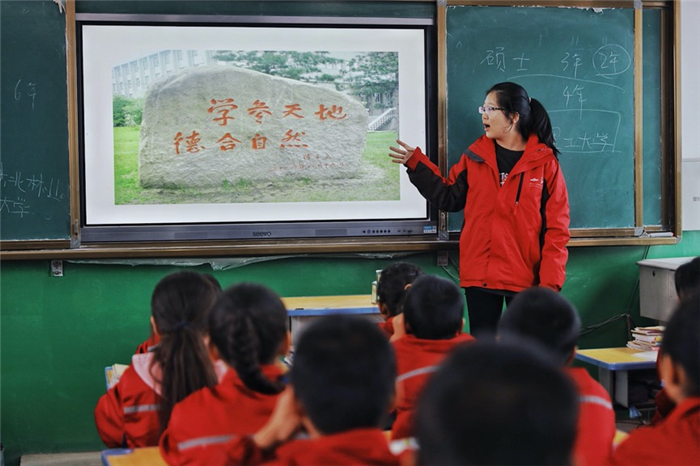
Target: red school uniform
column 387, row 326
column 127, row 415
column 596, row 420
column 356, row 447
column 673, row 442
column 416, row 360
column 146, row 346
column 201, row 424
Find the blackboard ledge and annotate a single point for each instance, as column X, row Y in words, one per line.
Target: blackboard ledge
column 236, row 248
column 61, row 249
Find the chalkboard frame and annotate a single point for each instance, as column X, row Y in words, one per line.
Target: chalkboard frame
column 641, row 233
column 37, row 249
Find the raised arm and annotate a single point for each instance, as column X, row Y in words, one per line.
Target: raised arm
column 449, row 194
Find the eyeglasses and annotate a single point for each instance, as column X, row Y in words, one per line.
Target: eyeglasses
column 483, row 110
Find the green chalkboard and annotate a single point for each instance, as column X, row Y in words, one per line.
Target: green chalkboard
column 34, row 162
column 580, row 64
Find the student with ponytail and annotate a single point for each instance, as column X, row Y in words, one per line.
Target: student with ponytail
column 136, row 410
column 249, row 331
column 516, row 208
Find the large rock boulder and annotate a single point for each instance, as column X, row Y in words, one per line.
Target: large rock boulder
column 222, row 125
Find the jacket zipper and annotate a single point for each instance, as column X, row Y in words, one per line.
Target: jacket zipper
column 520, row 187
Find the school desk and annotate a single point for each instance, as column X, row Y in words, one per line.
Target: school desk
column 304, row 309
column 147, row 456
column 614, row 366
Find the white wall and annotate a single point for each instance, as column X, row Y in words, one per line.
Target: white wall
column 690, row 114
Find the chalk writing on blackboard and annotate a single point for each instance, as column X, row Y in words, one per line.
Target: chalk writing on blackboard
column 20, row 190
column 581, row 125
column 25, row 90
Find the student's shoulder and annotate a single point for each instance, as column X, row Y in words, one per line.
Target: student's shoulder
column 587, row 384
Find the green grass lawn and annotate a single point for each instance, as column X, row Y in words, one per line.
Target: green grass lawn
column 380, row 180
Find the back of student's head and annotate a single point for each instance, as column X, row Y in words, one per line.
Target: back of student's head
column 681, row 341
column 392, row 283
column 180, row 307
column 343, row 373
column 433, row 308
column 248, row 326
column 687, row 278
column 544, row 316
column 497, row 404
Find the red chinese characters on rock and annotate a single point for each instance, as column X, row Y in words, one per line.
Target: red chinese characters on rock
column 292, row 139
column 335, row 112
column 222, row 107
column 228, row 142
column 291, row 110
column 259, row 110
column 191, row 142
column 258, row 142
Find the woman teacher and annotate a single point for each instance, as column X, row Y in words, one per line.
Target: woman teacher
column 516, row 209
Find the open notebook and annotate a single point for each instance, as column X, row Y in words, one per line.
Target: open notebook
column 113, row 374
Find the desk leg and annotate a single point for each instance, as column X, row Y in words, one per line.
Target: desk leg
column 606, row 380
column 621, row 388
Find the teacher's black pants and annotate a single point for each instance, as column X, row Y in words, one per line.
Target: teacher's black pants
column 484, row 309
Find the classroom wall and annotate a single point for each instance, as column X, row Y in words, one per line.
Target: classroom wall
column 58, row 333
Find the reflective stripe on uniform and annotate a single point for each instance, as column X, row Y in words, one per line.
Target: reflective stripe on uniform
column 415, row 372
column 140, row 408
column 203, row 441
column 595, row 400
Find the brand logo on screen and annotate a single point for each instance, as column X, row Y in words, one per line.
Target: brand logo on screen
column 259, row 234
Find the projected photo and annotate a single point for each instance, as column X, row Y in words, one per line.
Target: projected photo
column 220, row 124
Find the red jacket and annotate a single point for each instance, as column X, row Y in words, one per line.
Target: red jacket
column 145, row 347
column 514, row 236
column 356, row 447
column 387, row 326
column 416, row 360
column 127, row 415
column 673, row 442
column 201, row 424
column 596, row 420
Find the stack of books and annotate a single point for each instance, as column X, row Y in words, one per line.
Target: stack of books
column 647, row 338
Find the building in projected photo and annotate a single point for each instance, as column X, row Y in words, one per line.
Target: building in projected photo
column 131, row 79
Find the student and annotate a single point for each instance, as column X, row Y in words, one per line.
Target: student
column 687, row 278
column 248, row 329
column 676, row 440
column 492, row 404
column 390, row 289
column 433, row 321
column 687, row 282
column 543, row 316
column 342, row 383
column 153, row 339
column 135, row 411
column 516, row 208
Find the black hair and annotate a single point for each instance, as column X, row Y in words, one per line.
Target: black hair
column 681, row 341
column 392, row 283
column 180, row 307
column 433, row 308
column 533, row 116
column 343, row 373
column 247, row 325
column 544, row 316
column 687, row 278
column 497, row 404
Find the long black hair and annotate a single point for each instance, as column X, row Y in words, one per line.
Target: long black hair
column 533, row 116
column 180, row 305
column 247, row 325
